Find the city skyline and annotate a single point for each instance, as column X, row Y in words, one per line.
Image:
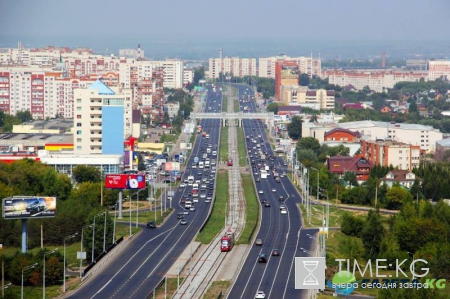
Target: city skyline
column 196, row 29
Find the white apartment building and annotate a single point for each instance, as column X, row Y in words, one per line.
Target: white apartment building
column 306, row 65
column 320, row 99
column 103, row 118
column 413, row 134
column 377, row 80
column 172, row 109
column 131, row 71
column 438, row 69
column 235, row 66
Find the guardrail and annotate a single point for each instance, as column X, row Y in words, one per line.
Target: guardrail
column 102, row 255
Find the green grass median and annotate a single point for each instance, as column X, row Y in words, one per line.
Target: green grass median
column 223, row 146
column 251, row 209
column 241, row 147
column 217, row 220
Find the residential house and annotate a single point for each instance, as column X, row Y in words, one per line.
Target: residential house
column 359, row 165
column 347, row 138
column 403, row 177
column 385, row 109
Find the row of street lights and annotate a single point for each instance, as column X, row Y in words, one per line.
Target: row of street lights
column 64, row 254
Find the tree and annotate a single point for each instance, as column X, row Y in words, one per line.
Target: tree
column 308, row 143
column 372, row 235
column 83, row 173
column 351, row 225
column 395, row 196
column 24, row 116
column 304, row 80
column 273, row 107
column 295, row 128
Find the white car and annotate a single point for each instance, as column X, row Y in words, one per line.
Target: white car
column 182, row 185
column 283, row 211
column 195, row 199
column 203, row 195
column 261, row 192
column 260, row 295
column 274, row 190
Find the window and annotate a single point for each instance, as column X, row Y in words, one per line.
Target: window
column 79, row 132
column 78, row 108
column 78, row 124
column 79, row 148
column 78, row 116
column 78, row 101
column 78, row 139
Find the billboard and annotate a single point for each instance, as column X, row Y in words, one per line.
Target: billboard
column 20, row 207
column 125, row 181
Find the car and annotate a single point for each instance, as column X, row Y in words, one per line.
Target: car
column 259, row 242
column 182, row 185
column 262, row 258
column 261, row 192
column 282, row 175
column 267, row 204
column 283, row 211
column 180, row 216
column 151, row 224
column 192, row 209
column 260, row 295
column 282, row 207
column 203, row 195
column 258, row 179
column 281, row 198
column 183, row 222
column 275, row 252
column 274, row 190
column 37, row 205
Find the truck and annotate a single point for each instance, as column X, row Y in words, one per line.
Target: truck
column 196, row 160
column 191, row 180
column 263, row 174
column 227, row 242
column 207, row 164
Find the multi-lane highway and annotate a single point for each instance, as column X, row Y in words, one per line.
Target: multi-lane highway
column 136, row 270
column 278, row 231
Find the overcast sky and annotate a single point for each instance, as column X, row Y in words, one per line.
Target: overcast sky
column 294, row 19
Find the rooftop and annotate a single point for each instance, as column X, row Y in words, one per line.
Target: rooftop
column 101, row 87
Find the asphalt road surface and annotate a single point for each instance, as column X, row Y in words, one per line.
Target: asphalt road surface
column 137, row 269
column 276, row 277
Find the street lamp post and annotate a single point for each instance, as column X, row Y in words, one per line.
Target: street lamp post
column 43, row 280
column 24, row 269
column 114, row 225
column 64, row 263
column 104, row 234
column 81, row 249
column 137, row 207
column 317, row 181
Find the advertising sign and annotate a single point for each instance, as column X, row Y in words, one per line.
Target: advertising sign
column 21, row 207
column 125, row 181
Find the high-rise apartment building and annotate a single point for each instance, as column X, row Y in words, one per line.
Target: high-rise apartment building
column 305, row 65
column 320, row 99
column 235, row 66
column 103, row 118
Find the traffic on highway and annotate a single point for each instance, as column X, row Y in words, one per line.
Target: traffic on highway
column 141, row 265
column 268, row 271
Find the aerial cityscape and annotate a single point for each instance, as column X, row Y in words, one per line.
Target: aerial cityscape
column 232, row 150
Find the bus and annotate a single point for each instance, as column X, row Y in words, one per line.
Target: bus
column 227, row 241
column 230, row 162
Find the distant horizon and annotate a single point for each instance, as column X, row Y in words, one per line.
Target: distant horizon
column 201, row 49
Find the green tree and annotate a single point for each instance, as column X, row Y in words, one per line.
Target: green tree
column 306, row 156
column 304, row 80
column 372, row 235
column 273, row 107
column 395, row 196
column 83, row 173
column 308, row 143
column 24, row 116
column 295, row 128
column 351, row 225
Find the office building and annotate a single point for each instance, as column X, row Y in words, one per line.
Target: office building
column 235, row 66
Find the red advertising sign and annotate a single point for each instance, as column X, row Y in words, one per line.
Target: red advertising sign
column 125, row 181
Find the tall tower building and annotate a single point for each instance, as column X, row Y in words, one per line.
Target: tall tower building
column 102, row 119
column 383, row 60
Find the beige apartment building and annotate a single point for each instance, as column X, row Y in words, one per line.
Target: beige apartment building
column 235, row 66
column 438, row 69
column 320, row 99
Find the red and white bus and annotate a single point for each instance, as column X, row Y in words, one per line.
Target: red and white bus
column 227, row 242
